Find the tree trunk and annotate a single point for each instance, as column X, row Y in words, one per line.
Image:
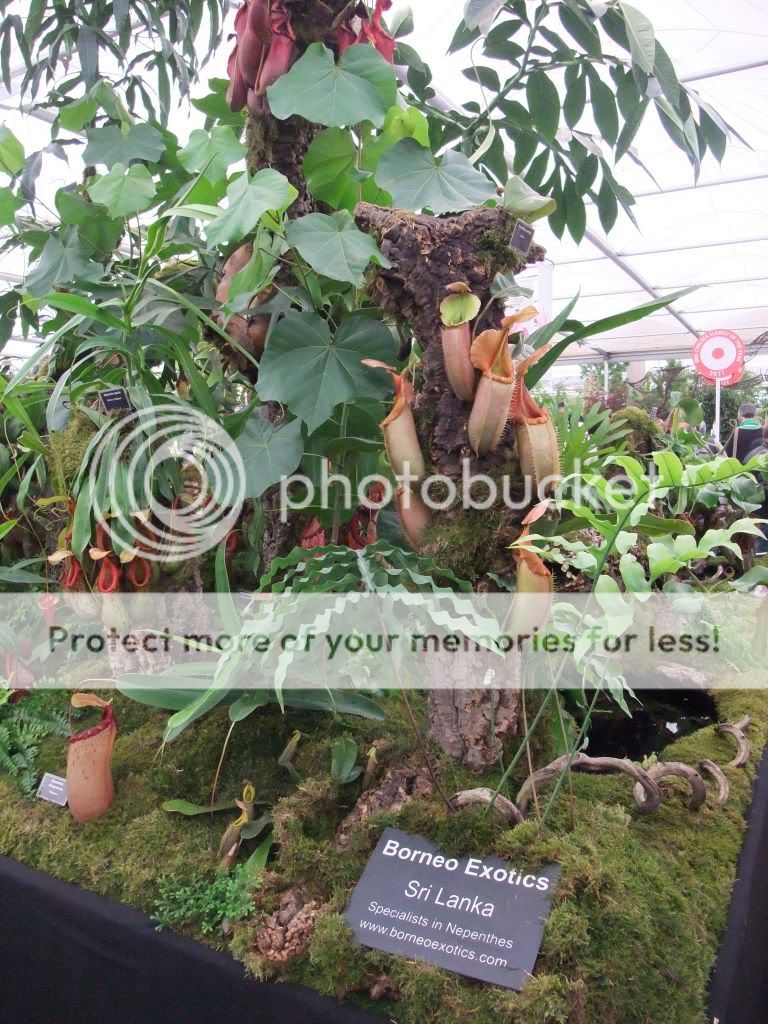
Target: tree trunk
column 427, row 254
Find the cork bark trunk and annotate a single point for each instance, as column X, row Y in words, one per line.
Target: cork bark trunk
column 427, row 254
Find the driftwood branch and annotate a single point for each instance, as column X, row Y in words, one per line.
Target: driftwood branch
column 717, row 774
column 737, row 731
column 582, row 762
column 647, row 793
column 485, row 798
column 676, row 769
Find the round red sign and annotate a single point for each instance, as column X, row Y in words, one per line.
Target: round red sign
column 719, row 355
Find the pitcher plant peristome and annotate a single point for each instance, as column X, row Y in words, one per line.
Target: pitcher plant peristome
column 537, row 445
column 456, row 312
column 490, row 354
column 399, row 428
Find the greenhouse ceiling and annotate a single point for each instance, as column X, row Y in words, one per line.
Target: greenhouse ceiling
column 711, row 233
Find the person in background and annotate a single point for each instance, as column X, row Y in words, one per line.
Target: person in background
column 761, row 448
column 561, row 406
column 746, row 435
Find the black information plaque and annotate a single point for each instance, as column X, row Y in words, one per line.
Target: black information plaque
column 522, row 237
column 53, row 789
column 479, row 916
column 115, row 399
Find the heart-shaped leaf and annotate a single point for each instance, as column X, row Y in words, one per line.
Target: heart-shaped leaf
column 334, row 246
column 269, row 453
column 312, row 372
column 211, row 152
column 248, row 200
column 361, row 87
column 63, row 259
column 110, row 145
column 419, row 180
column 124, row 191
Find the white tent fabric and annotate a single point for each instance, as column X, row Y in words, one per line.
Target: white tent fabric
column 712, row 234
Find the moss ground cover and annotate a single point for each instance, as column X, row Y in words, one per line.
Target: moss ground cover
column 636, row 920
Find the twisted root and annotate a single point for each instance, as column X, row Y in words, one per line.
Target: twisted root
column 646, row 791
column 582, row 762
column 723, row 789
column 484, row 797
column 669, row 769
column 737, row 731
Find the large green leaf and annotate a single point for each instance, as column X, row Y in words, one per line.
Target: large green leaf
column 21, row 577
column 543, row 103
column 609, row 323
column 755, row 577
column 112, row 145
column 481, row 13
column 327, row 167
column 76, row 115
column 522, row 201
column 9, row 204
column 670, row 468
column 77, row 304
column 140, row 688
column 11, row 152
column 312, row 372
column 248, row 200
column 94, row 226
column 334, row 246
column 578, row 25
column 268, row 453
column 544, row 334
column 63, row 260
column 212, row 152
column 641, row 36
column 361, row 87
column 124, row 190
column 200, row 706
column 190, row 810
column 604, row 109
column 339, row 175
column 419, row 180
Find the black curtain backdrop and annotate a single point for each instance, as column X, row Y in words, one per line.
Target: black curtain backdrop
column 68, row 956
column 739, row 990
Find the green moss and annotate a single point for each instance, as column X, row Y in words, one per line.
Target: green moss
column 334, row 957
column 637, row 915
column 643, row 430
column 66, row 449
column 470, row 542
column 495, row 251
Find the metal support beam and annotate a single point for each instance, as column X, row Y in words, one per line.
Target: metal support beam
column 671, row 351
column 694, row 186
column 673, row 287
column 40, row 115
column 637, row 277
column 667, row 248
column 732, row 69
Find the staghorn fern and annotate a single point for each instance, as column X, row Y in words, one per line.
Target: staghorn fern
column 22, row 726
